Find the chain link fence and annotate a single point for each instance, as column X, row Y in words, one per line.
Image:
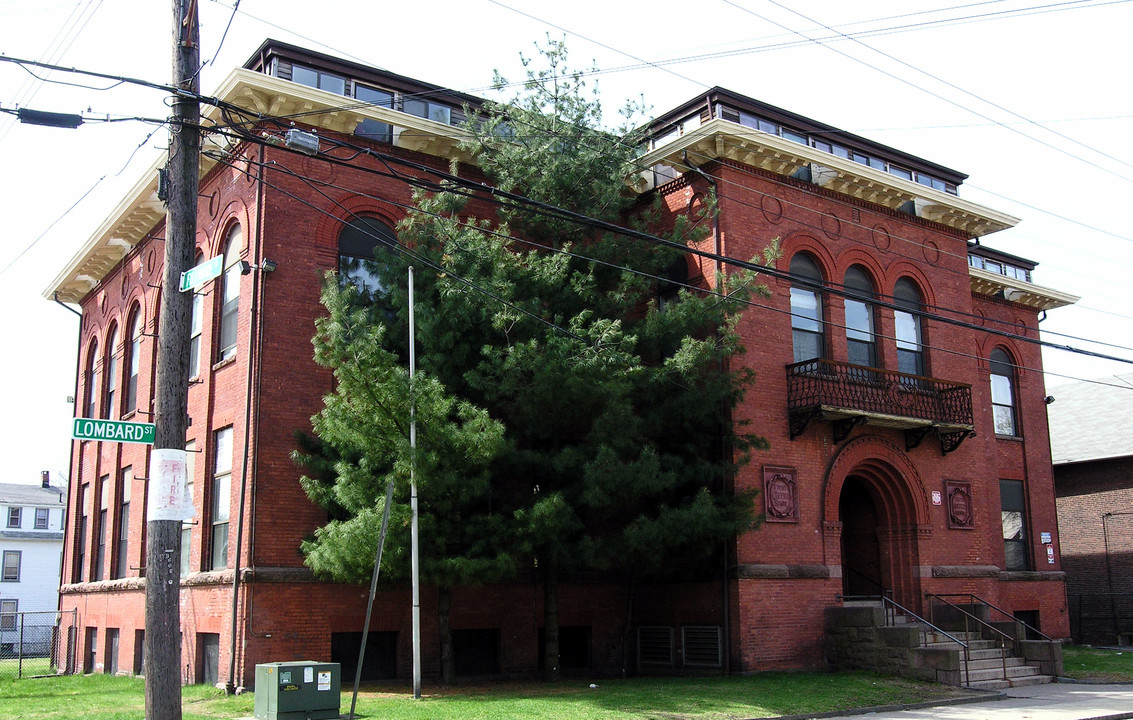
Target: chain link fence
column 33, row 644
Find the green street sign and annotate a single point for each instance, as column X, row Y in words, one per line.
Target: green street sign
column 114, row 431
column 202, row 273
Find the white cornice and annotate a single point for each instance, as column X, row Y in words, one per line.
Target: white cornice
column 1018, row 291
column 726, row 140
column 140, row 210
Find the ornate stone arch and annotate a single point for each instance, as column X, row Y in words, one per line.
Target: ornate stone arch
column 885, row 473
column 896, row 478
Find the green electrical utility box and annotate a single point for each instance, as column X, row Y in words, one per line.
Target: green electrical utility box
column 298, row 690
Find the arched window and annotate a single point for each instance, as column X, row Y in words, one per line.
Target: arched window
column 195, row 326
column 861, row 343
column 910, row 346
column 1003, row 393
column 92, row 380
column 806, row 309
column 133, row 359
column 111, row 365
column 360, row 245
column 230, row 294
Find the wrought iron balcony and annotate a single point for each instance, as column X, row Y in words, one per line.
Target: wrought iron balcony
column 851, row 395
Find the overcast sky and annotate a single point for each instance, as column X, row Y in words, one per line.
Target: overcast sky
column 1030, row 98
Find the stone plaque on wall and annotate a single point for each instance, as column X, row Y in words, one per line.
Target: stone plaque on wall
column 958, row 500
column 780, row 494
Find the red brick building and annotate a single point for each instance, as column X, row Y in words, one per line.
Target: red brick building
column 1093, row 485
column 897, row 385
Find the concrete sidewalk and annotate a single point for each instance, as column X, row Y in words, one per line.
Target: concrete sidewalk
column 1057, row 701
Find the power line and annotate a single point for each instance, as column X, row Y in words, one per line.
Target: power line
column 228, row 106
column 513, row 200
column 224, row 105
column 25, row 93
column 918, row 87
column 512, row 238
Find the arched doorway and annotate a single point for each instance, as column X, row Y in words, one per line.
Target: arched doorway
column 878, row 501
column 861, row 552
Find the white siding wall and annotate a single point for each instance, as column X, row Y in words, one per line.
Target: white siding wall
column 38, row 586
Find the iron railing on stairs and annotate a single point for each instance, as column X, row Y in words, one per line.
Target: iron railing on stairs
column 973, row 601
column 891, row 611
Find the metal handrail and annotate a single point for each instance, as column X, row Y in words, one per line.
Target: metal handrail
column 924, row 624
column 884, row 590
column 1004, row 637
column 973, row 598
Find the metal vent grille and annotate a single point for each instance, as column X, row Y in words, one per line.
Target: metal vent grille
column 703, row 645
column 655, row 646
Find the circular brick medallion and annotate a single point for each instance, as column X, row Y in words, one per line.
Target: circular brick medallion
column 772, row 209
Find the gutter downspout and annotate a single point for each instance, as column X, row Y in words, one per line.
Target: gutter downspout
column 721, row 287
column 256, row 337
column 68, row 659
column 1109, row 575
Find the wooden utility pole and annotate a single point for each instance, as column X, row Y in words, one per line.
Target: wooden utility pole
column 167, row 467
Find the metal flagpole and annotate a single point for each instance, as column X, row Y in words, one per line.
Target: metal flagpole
column 413, row 534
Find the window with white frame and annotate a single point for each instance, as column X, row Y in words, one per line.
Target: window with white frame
column 92, row 380
column 861, row 343
column 318, row 79
column 42, row 515
column 11, row 571
column 8, row 610
column 103, row 527
column 1003, row 393
column 428, row 110
column 221, row 498
column 111, row 365
column 907, row 321
column 14, row 516
column 195, row 329
column 369, row 128
column 230, row 294
column 806, row 309
column 79, row 571
column 122, row 554
column 133, row 359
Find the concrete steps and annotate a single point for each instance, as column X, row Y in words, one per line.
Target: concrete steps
column 988, row 669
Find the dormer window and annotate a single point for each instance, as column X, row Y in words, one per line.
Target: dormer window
column 428, row 110
column 318, row 79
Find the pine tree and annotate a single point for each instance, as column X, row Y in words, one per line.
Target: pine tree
column 362, row 444
column 617, row 414
column 613, row 387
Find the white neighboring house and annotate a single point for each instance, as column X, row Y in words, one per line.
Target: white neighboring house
column 31, row 546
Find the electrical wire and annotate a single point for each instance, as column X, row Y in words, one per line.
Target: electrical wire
column 224, row 105
column 917, row 243
column 1073, row 5
column 223, row 36
column 937, row 78
column 53, row 224
column 1034, row 10
column 513, row 200
column 26, row 93
column 316, row 112
column 917, row 86
column 511, row 238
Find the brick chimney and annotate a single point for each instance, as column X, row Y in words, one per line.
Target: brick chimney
column 45, row 476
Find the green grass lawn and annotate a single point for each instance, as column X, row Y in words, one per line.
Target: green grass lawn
column 99, row 697
column 14, row 667
column 1083, row 662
